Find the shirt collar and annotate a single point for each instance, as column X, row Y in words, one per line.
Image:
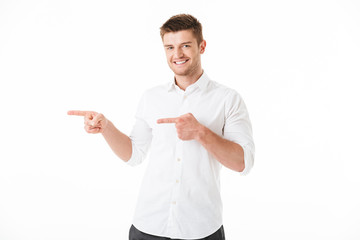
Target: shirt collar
column 201, row 83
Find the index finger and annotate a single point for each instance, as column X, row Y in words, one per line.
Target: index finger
column 167, row 120
column 78, row 113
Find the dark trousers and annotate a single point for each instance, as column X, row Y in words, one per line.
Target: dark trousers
column 135, row 234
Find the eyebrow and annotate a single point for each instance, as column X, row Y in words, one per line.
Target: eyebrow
column 170, row 45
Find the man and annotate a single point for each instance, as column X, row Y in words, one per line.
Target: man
column 194, row 126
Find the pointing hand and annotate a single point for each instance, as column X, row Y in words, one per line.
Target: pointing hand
column 187, row 127
column 94, row 122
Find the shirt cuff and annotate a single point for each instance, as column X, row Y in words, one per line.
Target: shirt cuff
column 248, row 159
column 135, row 158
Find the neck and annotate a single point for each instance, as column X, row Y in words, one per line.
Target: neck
column 186, row 80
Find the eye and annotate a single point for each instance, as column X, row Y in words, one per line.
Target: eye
column 170, row 48
column 186, row 46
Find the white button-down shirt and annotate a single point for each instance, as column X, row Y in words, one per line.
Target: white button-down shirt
column 180, row 193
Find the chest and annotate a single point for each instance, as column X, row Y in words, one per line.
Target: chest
column 207, row 108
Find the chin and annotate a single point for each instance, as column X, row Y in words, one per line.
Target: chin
column 183, row 72
column 180, row 73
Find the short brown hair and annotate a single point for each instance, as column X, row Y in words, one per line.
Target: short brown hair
column 182, row 22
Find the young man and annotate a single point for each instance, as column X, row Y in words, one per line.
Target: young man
column 194, row 126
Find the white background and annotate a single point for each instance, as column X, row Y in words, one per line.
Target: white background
column 296, row 64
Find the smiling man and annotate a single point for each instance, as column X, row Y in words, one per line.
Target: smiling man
column 194, row 126
column 183, row 54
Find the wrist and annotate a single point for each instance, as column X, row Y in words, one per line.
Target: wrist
column 202, row 133
column 107, row 126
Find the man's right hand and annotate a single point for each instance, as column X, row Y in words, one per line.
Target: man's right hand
column 94, row 122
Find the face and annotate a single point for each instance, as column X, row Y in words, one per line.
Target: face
column 183, row 52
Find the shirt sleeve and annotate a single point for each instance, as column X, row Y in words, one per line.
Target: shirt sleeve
column 141, row 135
column 238, row 129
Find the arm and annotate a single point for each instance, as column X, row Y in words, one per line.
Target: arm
column 118, row 141
column 97, row 123
column 228, row 153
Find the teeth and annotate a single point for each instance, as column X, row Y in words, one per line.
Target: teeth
column 180, row 62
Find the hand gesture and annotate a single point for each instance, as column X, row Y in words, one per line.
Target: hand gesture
column 94, row 122
column 187, row 127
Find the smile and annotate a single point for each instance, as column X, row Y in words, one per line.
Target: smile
column 181, row 62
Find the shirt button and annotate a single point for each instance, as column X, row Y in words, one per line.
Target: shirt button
column 178, row 159
column 174, row 202
column 177, row 181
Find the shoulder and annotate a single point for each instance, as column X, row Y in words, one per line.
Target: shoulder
column 227, row 93
column 156, row 90
column 229, row 97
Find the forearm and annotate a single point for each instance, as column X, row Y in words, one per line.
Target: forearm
column 228, row 153
column 118, row 141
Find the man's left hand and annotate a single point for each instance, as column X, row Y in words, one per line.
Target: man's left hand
column 187, row 127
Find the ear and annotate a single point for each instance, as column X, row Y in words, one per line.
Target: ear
column 202, row 46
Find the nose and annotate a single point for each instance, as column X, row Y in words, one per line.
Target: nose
column 179, row 53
